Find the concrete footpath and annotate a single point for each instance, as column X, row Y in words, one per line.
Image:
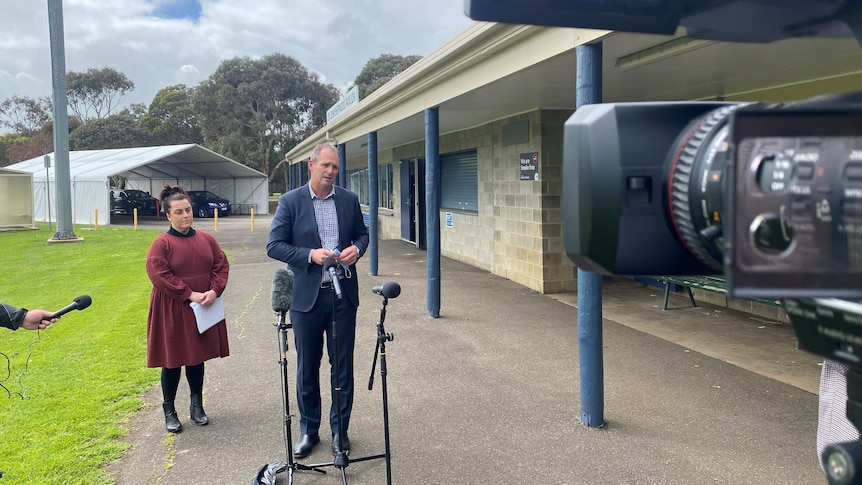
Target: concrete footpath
column 489, row 392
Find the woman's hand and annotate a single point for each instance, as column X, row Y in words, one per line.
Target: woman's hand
column 206, row 298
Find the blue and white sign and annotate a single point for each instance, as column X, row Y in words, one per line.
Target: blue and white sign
column 343, row 104
column 449, row 222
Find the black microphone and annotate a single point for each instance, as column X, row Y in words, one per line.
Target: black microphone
column 78, row 303
column 282, row 290
column 390, row 289
column 329, row 264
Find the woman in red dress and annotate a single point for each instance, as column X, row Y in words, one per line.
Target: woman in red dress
column 184, row 266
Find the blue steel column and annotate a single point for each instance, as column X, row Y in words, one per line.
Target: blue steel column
column 373, row 201
column 589, row 91
column 432, row 207
column 342, row 174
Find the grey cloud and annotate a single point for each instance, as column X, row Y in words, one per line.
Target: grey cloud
column 333, row 38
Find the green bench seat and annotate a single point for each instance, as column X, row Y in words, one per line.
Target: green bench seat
column 712, row 284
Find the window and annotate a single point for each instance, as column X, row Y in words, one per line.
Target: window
column 357, row 181
column 384, row 185
column 459, row 181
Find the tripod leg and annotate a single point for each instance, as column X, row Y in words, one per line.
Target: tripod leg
column 382, row 338
column 373, row 366
column 266, row 475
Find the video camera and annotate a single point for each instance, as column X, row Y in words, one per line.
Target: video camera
column 770, row 195
column 767, row 194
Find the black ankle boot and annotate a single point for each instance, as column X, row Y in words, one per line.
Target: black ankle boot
column 197, row 410
column 172, row 421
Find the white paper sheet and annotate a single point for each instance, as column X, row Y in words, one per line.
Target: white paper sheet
column 208, row 316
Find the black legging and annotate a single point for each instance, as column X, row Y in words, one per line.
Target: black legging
column 171, row 380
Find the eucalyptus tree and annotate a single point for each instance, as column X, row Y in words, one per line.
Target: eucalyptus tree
column 27, row 124
column 121, row 130
column 25, row 116
column 96, row 93
column 380, row 70
column 255, row 110
column 171, row 117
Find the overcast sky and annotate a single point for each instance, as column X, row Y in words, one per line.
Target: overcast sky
column 158, row 43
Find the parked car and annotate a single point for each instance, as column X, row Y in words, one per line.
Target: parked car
column 205, row 203
column 124, row 201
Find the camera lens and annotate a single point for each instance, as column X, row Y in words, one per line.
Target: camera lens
column 695, row 167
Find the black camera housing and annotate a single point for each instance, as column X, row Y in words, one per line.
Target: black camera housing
column 814, row 149
column 768, row 195
column 614, row 212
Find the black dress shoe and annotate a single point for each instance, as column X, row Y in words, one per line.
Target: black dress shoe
column 338, row 445
column 306, row 443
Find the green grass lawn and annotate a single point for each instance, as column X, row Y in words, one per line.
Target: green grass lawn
column 82, row 378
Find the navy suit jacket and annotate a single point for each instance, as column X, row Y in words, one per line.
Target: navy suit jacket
column 293, row 234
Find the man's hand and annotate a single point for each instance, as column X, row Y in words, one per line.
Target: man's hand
column 38, row 319
column 349, row 256
column 319, row 255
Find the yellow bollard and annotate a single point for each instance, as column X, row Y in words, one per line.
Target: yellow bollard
column 215, row 216
column 96, row 226
column 135, row 218
column 252, row 219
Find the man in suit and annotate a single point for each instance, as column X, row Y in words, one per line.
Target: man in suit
column 310, row 224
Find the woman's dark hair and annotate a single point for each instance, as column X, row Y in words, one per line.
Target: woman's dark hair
column 170, row 194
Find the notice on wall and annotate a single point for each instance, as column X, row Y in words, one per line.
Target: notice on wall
column 530, row 166
column 449, row 221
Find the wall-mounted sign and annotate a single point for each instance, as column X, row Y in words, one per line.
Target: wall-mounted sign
column 449, row 221
column 343, row 104
column 530, row 166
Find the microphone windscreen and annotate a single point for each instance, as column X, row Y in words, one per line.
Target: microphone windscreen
column 282, row 290
column 83, row 301
column 329, row 262
column 391, row 289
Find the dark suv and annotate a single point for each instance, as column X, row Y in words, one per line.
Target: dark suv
column 124, row 201
column 205, row 203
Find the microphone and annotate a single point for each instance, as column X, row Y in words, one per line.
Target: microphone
column 390, row 289
column 282, row 290
column 329, row 265
column 78, row 303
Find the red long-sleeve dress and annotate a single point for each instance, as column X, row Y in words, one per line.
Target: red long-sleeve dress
column 178, row 264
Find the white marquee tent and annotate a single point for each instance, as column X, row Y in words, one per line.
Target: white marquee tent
column 145, row 168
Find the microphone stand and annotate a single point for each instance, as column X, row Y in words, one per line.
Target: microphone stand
column 341, row 459
column 380, row 349
column 267, row 473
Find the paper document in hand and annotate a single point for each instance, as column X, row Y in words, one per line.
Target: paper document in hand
column 207, row 316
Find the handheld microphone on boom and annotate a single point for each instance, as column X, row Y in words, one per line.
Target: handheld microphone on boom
column 282, row 290
column 390, row 289
column 329, row 265
column 79, row 303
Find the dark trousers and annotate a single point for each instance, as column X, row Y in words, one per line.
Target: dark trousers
column 308, row 331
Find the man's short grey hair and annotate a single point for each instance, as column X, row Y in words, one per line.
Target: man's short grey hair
column 315, row 154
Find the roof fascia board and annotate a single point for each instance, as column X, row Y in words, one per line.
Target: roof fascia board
column 483, row 53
